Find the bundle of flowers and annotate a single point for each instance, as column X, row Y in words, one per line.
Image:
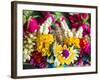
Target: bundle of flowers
column 56, row 39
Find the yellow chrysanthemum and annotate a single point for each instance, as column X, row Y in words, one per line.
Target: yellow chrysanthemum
column 43, row 43
column 72, row 41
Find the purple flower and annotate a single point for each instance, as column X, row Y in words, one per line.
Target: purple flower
column 65, row 53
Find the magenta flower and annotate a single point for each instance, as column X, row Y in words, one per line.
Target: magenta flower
column 47, row 14
column 87, row 49
column 44, row 16
column 84, row 16
column 32, row 24
column 78, row 19
column 75, row 20
column 86, row 29
column 37, row 60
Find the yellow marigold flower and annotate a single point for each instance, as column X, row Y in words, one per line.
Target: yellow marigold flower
column 76, row 42
column 72, row 41
column 43, row 43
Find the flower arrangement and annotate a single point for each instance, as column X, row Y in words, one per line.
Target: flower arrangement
column 56, row 39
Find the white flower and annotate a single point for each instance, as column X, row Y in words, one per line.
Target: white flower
column 44, row 27
column 79, row 33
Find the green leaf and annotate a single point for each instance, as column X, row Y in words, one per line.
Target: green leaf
column 36, row 16
column 58, row 15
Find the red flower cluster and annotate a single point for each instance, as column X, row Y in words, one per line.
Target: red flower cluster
column 85, row 46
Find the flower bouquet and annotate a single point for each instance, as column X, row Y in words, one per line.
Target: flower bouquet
column 56, row 39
